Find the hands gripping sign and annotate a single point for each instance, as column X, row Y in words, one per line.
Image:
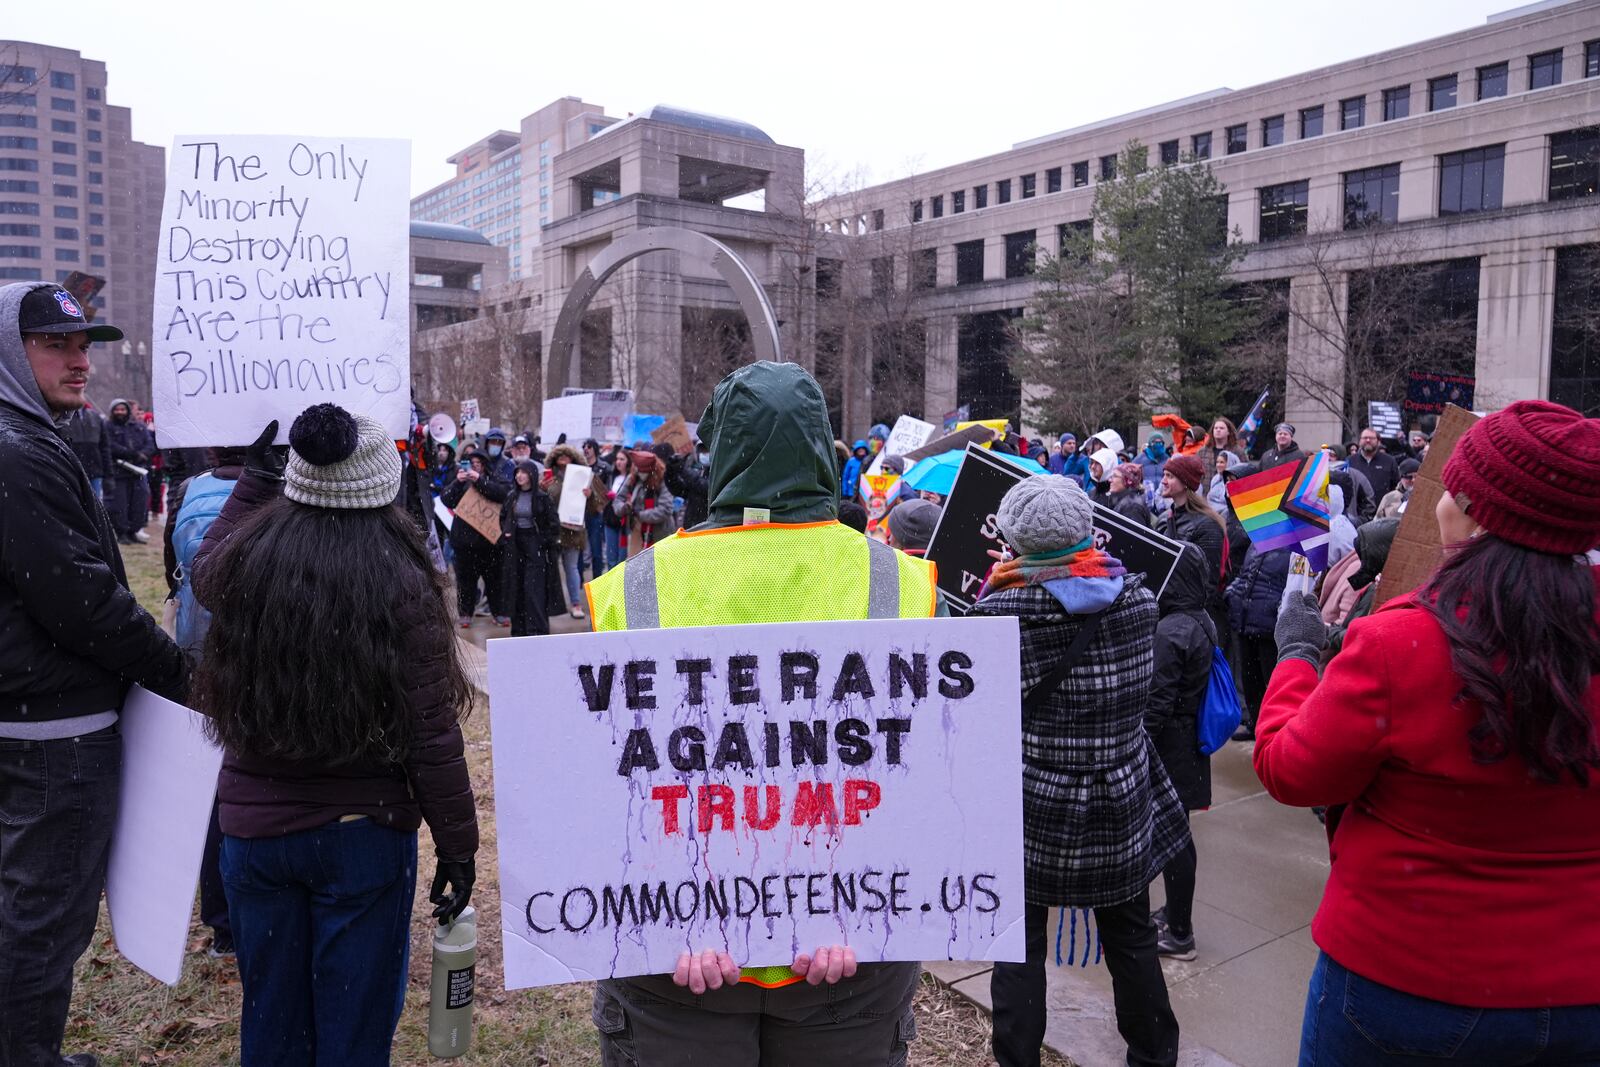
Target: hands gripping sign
column 758, row 790
column 282, row 280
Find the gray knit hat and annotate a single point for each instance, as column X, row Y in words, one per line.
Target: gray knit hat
column 1045, row 513
column 339, row 460
column 912, row 522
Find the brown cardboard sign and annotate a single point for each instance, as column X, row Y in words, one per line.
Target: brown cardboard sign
column 953, row 442
column 1417, row 549
column 480, row 513
column 674, row 432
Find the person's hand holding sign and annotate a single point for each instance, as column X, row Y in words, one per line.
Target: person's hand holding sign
column 261, row 459
column 828, row 965
column 710, row 969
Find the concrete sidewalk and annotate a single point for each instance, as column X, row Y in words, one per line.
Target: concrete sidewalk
column 1240, row 1001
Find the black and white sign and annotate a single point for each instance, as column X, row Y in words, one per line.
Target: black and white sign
column 966, row 532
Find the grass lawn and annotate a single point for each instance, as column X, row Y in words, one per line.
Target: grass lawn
column 129, row 1018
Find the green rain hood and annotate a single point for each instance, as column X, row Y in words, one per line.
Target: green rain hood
column 771, row 447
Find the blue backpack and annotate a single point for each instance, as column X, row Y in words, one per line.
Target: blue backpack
column 202, row 503
column 1220, row 714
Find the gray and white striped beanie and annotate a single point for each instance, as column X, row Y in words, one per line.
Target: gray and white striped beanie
column 339, row 460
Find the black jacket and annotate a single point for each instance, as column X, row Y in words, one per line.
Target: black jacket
column 1130, row 505
column 1185, row 637
column 1274, row 458
column 1381, row 471
column 1199, row 530
column 686, row 478
column 86, row 433
column 74, row 637
column 1254, row 595
column 130, row 442
column 462, row 535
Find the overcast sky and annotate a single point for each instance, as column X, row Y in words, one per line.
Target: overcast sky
column 884, row 88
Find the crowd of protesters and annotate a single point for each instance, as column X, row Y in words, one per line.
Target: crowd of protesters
column 1448, row 736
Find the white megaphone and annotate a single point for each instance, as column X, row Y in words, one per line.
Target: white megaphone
column 442, row 428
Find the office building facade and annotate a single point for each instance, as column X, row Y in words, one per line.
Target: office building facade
column 79, row 193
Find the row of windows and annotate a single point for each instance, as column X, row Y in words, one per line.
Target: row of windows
column 24, row 75
column 1544, row 70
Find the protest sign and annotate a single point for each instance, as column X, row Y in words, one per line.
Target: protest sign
column 1429, row 393
column 570, row 415
column 1417, row 547
column 639, row 430
column 960, row 414
column 908, row 434
column 674, row 432
column 169, row 779
column 609, row 411
column 443, row 514
column 571, row 506
column 469, row 411
column 826, row 783
column 966, row 532
column 952, row 442
column 282, row 274
column 876, row 489
column 1385, row 418
column 480, row 513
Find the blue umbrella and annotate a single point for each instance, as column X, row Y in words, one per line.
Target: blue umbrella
column 937, row 474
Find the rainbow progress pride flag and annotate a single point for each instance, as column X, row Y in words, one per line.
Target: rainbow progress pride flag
column 1287, row 507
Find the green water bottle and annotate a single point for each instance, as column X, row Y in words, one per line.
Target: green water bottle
column 455, row 953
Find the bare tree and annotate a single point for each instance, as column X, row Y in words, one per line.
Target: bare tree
column 1376, row 311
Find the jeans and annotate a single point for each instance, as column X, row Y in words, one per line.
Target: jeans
column 594, row 527
column 569, row 566
column 322, row 923
column 1139, row 989
column 1353, row 1021
column 616, row 551
column 58, row 804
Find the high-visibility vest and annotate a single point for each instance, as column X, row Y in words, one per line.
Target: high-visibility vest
column 771, row 572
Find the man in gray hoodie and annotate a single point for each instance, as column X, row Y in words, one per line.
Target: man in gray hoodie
column 74, row 639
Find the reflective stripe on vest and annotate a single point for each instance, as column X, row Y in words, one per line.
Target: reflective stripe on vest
column 643, row 602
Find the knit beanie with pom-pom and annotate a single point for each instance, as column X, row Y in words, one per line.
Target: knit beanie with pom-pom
column 1045, row 513
column 339, row 460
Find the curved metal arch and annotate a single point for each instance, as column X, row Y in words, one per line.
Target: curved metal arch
column 564, row 351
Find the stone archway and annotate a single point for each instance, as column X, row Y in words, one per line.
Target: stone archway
column 713, row 253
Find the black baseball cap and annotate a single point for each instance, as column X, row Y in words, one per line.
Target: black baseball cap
column 51, row 309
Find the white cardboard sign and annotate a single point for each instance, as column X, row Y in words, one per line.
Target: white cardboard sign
column 570, row 508
column 908, row 435
column 570, row 415
column 282, row 281
column 765, row 790
column 169, row 779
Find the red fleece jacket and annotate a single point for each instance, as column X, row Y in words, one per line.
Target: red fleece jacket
column 1469, row 883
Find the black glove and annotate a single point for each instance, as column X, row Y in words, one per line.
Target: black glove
column 1301, row 633
column 459, row 875
column 261, row 459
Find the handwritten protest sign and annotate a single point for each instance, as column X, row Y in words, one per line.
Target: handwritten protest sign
column 674, row 432
column 480, row 513
column 908, row 435
column 169, row 778
column 282, row 280
column 608, row 412
column 802, row 785
column 570, row 415
column 966, row 532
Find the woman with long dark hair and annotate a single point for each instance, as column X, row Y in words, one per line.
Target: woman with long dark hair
column 1460, row 729
column 332, row 682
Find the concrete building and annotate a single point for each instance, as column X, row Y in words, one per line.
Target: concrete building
column 1477, row 151
column 78, row 193
column 502, row 186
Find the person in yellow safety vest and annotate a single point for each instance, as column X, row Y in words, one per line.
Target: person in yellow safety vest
column 772, row 550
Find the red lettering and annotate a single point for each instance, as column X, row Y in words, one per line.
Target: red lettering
column 814, row 804
column 860, row 795
column 669, row 795
column 752, row 807
column 715, row 800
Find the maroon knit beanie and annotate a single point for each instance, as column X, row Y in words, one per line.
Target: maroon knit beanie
column 1188, row 470
column 1531, row 475
column 1132, row 474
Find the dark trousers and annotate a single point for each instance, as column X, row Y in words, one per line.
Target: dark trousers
column 213, row 896
column 129, row 504
column 58, row 803
column 1260, row 655
column 1144, row 1015
column 525, row 584
column 1178, row 877
column 475, row 563
column 865, row 1021
column 1352, row 1021
column 321, row 920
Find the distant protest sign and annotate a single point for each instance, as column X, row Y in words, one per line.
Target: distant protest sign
column 802, row 785
column 282, row 280
column 967, row 532
column 480, row 513
column 908, row 435
column 608, row 412
column 570, row 415
column 674, row 432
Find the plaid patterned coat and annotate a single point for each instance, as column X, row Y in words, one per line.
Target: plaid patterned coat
column 1100, row 818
